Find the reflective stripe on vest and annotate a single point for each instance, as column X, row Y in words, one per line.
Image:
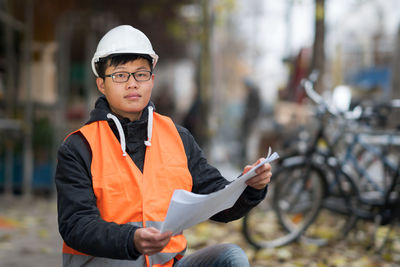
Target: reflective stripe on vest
column 126, row 195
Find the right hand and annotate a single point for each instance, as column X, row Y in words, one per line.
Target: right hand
column 149, row 241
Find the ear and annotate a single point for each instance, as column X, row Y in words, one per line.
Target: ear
column 100, row 85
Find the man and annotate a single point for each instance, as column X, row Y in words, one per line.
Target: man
column 115, row 175
column 252, row 110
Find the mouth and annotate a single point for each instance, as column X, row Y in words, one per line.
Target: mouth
column 132, row 96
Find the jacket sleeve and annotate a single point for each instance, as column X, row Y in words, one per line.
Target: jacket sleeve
column 80, row 224
column 207, row 179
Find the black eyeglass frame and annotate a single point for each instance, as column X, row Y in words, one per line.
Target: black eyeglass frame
column 112, row 75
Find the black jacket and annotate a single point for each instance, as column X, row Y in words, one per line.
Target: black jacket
column 79, row 220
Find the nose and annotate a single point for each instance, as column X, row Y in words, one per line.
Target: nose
column 132, row 82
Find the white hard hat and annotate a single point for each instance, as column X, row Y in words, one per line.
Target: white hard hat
column 123, row 39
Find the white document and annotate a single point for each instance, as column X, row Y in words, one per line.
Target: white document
column 187, row 209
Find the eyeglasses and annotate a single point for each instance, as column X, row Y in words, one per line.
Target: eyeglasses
column 123, row 76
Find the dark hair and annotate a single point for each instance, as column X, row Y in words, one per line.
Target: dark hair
column 119, row 59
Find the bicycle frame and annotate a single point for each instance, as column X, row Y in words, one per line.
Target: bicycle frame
column 362, row 139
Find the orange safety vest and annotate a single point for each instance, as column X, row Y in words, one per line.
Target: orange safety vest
column 126, row 195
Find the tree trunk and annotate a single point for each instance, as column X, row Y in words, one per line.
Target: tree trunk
column 396, row 67
column 203, row 88
column 318, row 58
column 395, row 94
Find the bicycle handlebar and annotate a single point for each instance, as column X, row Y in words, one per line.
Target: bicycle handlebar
column 360, row 112
column 308, row 85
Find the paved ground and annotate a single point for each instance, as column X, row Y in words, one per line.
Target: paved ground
column 29, row 237
column 28, row 233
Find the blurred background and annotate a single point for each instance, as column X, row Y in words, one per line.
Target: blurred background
column 229, row 71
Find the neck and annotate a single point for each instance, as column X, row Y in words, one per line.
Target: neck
column 130, row 116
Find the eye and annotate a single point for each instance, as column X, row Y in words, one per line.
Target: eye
column 120, row 75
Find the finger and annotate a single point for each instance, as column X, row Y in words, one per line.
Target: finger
column 259, row 181
column 264, row 168
column 258, row 161
column 247, row 168
column 154, row 234
column 152, row 230
column 152, row 251
column 155, row 247
column 162, row 237
column 150, row 240
column 258, row 186
column 260, row 176
column 158, row 240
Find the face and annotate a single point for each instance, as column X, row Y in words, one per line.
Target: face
column 130, row 98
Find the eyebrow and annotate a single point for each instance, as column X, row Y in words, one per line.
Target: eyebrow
column 122, row 68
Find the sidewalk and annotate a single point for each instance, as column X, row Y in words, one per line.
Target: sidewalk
column 29, row 237
column 28, row 233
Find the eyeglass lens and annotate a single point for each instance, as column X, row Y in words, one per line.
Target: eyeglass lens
column 139, row 76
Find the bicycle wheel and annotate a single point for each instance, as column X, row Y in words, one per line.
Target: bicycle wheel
column 335, row 218
column 293, row 201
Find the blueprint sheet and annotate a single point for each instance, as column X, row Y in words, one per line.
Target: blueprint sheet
column 187, row 209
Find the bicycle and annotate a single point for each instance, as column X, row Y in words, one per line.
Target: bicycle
column 367, row 199
column 313, row 182
column 262, row 226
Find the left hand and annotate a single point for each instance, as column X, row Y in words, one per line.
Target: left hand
column 263, row 175
column 150, row 241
